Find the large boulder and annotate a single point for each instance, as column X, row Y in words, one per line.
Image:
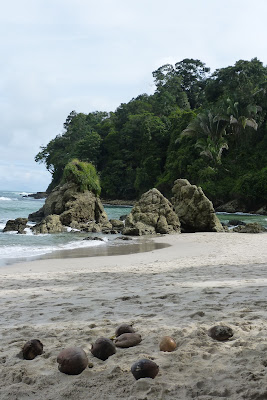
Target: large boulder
column 50, row 224
column 253, row 227
column 73, row 207
column 152, row 214
column 18, row 224
column 194, row 209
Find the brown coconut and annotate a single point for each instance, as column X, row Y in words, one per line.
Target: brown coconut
column 144, row 369
column 167, row 343
column 124, row 328
column 72, row 360
column 31, row 349
column 103, row 348
column 221, row 332
column 128, row 340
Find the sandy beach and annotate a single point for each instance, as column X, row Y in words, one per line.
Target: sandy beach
column 201, row 280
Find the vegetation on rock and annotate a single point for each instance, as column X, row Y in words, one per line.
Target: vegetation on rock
column 83, row 174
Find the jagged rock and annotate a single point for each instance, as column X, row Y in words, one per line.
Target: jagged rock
column 123, row 238
column 18, row 224
column 36, row 216
column 232, row 206
column 153, row 213
column 50, row 224
column 234, row 222
column 94, row 238
column 80, row 210
column 254, row 227
column 37, row 195
column 117, row 225
column 123, row 217
column 262, row 210
column 194, row 209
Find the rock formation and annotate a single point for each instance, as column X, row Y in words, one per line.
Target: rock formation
column 50, row 224
column 253, row 227
column 194, row 209
column 73, row 208
column 153, row 213
column 18, row 224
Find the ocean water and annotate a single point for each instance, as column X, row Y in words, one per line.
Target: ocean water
column 15, row 247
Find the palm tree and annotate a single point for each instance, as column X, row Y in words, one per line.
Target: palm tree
column 237, row 123
column 210, row 134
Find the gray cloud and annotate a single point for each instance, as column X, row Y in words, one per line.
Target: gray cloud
column 64, row 55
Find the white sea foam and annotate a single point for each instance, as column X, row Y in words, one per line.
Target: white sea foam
column 20, row 251
column 25, row 194
column 6, row 199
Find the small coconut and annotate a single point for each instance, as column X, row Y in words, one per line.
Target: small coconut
column 144, row 369
column 31, row 349
column 124, row 328
column 72, row 360
column 221, row 332
column 103, row 348
column 128, row 340
column 167, row 343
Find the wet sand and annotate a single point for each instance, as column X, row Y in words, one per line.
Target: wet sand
column 200, row 280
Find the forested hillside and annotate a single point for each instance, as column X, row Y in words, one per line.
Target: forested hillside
column 208, row 128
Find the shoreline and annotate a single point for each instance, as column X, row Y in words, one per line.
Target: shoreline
column 200, row 280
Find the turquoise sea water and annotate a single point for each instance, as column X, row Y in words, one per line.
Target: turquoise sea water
column 14, row 246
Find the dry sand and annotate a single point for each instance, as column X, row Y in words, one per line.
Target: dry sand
column 202, row 280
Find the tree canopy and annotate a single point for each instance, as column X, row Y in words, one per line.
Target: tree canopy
column 210, row 128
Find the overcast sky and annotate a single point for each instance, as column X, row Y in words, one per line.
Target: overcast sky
column 88, row 55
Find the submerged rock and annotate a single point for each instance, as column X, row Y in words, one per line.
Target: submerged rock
column 152, row 214
column 194, row 209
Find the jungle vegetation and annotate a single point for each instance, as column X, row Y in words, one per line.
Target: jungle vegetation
column 210, row 128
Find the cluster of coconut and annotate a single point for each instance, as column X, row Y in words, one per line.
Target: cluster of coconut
column 73, row 360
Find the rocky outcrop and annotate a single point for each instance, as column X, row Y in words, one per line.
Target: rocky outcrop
column 50, row 224
column 194, row 209
column 18, row 224
column 254, row 227
column 232, row 206
column 74, row 208
column 37, row 195
column 153, row 213
column 117, row 224
column 262, row 210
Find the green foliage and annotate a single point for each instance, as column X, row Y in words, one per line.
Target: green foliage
column 84, row 175
column 210, row 129
column 252, row 187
